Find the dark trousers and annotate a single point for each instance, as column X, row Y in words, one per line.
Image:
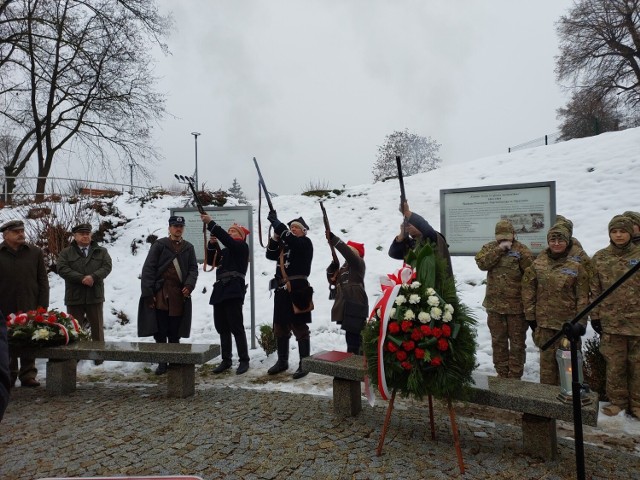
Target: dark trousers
column 227, row 318
column 168, row 327
column 89, row 314
column 353, row 342
column 300, row 330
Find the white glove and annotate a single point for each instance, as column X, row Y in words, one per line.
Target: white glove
column 506, row 244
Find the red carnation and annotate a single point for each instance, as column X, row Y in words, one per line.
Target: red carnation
column 39, row 318
column 443, row 345
column 406, row 326
column 406, row 365
column 52, row 319
column 408, row 345
column 426, row 330
column 394, row 328
column 401, row 355
column 419, row 353
column 417, row 335
column 446, row 331
column 437, row 332
column 41, row 310
column 436, row 361
column 392, row 347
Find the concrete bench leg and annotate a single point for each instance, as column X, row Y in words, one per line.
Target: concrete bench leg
column 61, row 376
column 346, row 397
column 181, row 380
column 539, row 436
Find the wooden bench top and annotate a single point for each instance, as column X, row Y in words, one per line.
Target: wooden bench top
column 181, row 353
column 506, row 393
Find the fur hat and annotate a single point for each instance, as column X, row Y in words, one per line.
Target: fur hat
column 504, row 230
column 242, row 231
column 358, row 246
column 623, row 222
column 560, row 220
column 175, row 220
column 300, row 223
column 12, row 225
column 81, row 228
column 634, row 216
column 558, row 231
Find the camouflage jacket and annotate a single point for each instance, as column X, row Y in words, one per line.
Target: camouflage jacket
column 554, row 291
column 620, row 311
column 504, row 276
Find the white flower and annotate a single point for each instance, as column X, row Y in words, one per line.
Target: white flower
column 436, row 313
column 431, row 291
column 41, row 334
column 446, row 317
column 448, row 308
column 392, row 313
column 413, row 298
column 415, row 285
column 433, row 301
column 409, row 315
column 400, row 299
column 424, row 317
column 378, row 313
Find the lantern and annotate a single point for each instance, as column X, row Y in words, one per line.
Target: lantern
column 563, row 357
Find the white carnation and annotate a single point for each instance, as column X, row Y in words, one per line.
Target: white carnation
column 431, row 291
column 392, row 313
column 409, row 315
column 436, row 313
column 41, row 334
column 415, row 285
column 448, row 308
column 433, row 301
column 446, row 317
column 400, row 299
column 424, row 317
column 414, row 299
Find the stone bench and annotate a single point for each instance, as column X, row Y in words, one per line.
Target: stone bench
column 537, row 402
column 181, row 357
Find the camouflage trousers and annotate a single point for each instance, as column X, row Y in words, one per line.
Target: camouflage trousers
column 549, row 373
column 622, row 354
column 508, row 341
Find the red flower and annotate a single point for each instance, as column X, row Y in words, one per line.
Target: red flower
column 406, row 326
column 426, row 330
column 443, row 345
column 52, row 319
column 437, row 332
column 39, row 318
column 419, row 353
column 392, row 347
column 408, row 345
column 446, row 331
column 436, row 361
column 401, row 355
column 41, row 310
column 406, row 365
column 417, row 334
column 394, row 328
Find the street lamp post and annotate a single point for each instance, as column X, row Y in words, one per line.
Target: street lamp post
column 195, row 137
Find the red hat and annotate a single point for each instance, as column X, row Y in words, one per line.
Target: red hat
column 242, row 231
column 358, row 246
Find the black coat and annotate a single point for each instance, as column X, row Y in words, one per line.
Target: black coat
column 297, row 257
column 232, row 262
column 160, row 256
column 5, row 379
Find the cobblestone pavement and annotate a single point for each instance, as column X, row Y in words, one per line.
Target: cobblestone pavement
column 109, row 428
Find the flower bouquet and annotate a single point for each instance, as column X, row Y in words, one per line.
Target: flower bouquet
column 420, row 339
column 43, row 328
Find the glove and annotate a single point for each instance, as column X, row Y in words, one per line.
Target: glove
column 272, row 217
column 505, row 244
column 533, row 325
column 597, row 326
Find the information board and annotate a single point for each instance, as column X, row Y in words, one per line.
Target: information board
column 468, row 215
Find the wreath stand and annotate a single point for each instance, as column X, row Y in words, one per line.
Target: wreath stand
column 452, row 418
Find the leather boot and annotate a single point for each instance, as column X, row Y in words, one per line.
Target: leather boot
column 283, row 356
column 162, row 369
column 304, row 347
column 224, row 365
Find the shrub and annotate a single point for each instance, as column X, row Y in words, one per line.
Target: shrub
column 595, row 372
column 267, row 339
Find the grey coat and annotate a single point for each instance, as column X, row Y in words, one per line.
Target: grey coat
column 73, row 267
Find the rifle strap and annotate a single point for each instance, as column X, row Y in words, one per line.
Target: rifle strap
column 206, row 251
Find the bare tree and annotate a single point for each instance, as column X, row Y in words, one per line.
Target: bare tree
column 81, row 81
column 419, row 154
column 588, row 114
column 600, row 49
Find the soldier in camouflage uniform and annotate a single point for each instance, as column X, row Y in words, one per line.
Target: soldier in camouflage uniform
column 554, row 289
column 576, row 252
column 505, row 261
column 635, row 218
column 617, row 317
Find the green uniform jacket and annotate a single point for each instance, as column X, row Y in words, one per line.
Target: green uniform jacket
column 620, row 311
column 73, row 267
column 554, row 291
column 23, row 279
column 504, row 276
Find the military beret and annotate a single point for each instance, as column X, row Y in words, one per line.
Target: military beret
column 12, row 225
column 176, row 220
column 81, row 228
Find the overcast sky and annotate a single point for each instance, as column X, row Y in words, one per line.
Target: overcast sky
column 311, row 88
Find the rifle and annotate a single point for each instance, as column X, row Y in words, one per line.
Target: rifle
column 403, row 197
column 189, row 181
column 334, row 277
column 262, row 187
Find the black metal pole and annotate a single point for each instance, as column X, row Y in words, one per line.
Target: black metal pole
column 574, row 331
